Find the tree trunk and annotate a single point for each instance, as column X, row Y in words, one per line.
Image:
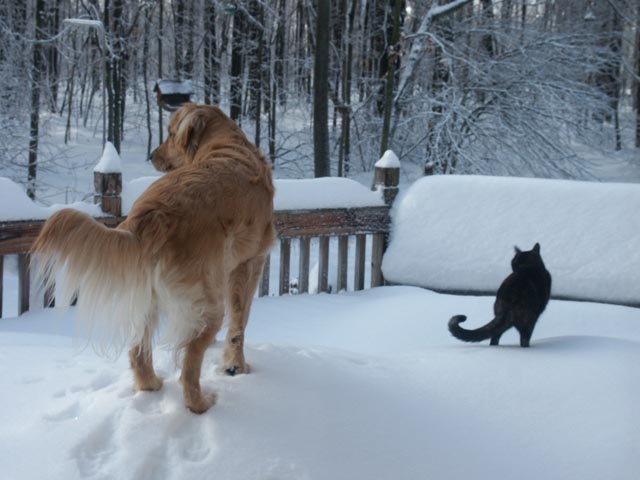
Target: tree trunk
column 637, row 89
column 53, row 68
column 37, row 66
column 381, row 32
column 615, row 75
column 145, row 78
column 321, row 92
column 178, row 37
column 235, row 99
column 109, row 75
column 70, row 87
column 211, row 82
column 257, row 91
column 254, row 60
column 279, row 71
column 345, row 139
column 160, row 33
column 189, row 54
column 114, row 12
column 390, row 80
column 275, row 60
column 506, row 11
column 488, row 40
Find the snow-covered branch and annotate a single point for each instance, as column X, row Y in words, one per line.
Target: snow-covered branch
column 420, row 44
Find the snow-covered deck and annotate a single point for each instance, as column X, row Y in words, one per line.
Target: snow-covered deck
column 351, row 386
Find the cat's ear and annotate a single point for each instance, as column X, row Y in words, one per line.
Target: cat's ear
column 536, row 248
column 517, row 249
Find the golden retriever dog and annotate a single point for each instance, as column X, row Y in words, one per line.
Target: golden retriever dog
column 194, row 241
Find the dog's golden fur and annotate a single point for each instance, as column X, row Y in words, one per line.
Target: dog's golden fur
column 196, row 239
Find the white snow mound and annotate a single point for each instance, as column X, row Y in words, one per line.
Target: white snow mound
column 327, row 192
column 388, row 160
column 16, row 205
column 457, row 233
column 110, row 161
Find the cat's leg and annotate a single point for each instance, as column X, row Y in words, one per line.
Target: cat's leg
column 495, row 339
column 525, row 334
column 524, row 339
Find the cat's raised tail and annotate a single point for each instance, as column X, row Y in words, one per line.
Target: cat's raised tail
column 495, row 327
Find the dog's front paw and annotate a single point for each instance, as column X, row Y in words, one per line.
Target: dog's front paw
column 151, row 384
column 201, row 403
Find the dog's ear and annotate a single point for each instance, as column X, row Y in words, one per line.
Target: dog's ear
column 191, row 124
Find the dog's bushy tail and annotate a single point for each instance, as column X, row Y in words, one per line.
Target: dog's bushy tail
column 105, row 269
column 479, row 334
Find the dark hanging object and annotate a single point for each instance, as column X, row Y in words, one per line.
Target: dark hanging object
column 173, row 93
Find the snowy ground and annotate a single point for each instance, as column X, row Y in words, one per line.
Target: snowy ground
column 358, row 385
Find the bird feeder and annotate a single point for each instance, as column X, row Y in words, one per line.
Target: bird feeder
column 171, row 94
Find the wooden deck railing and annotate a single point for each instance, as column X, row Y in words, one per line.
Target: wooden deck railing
column 301, row 226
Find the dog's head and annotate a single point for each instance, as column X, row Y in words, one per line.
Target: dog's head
column 188, row 128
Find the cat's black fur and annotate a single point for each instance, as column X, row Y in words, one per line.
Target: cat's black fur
column 520, row 300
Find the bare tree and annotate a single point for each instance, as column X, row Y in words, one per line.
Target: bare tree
column 321, row 92
column 37, row 67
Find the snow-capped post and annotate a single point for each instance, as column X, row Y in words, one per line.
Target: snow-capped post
column 387, row 176
column 107, row 180
column 429, row 168
column 386, row 180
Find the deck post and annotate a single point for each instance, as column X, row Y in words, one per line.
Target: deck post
column 107, row 181
column 387, row 177
column 108, row 190
column 386, row 181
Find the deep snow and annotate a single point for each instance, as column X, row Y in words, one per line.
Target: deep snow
column 457, row 233
column 359, row 385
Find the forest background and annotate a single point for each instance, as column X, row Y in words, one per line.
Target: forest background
column 504, row 87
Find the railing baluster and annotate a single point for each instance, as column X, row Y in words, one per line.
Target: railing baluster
column 361, row 249
column 264, row 282
column 323, row 265
column 377, row 251
column 24, row 283
column 343, row 263
column 285, row 262
column 303, row 271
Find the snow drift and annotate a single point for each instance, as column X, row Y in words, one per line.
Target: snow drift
column 16, row 205
column 457, row 233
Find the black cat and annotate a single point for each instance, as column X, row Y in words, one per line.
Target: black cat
column 520, row 300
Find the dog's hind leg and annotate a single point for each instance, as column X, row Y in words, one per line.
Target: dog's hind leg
column 243, row 283
column 194, row 399
column 141, row 358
